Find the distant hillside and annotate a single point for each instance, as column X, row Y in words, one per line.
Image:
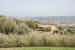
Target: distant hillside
column 56, row 19
column 50, row 19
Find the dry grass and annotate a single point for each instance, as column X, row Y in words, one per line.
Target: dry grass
column 35, row 38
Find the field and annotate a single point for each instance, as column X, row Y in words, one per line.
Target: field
column 22, row 33
column 39, row 48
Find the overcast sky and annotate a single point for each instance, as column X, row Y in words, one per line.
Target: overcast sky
column 37, row 7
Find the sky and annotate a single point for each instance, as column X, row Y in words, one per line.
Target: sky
column 37, row 7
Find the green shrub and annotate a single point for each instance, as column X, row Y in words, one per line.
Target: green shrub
column 32, row 24
column 22, row 28
column 7, row 27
